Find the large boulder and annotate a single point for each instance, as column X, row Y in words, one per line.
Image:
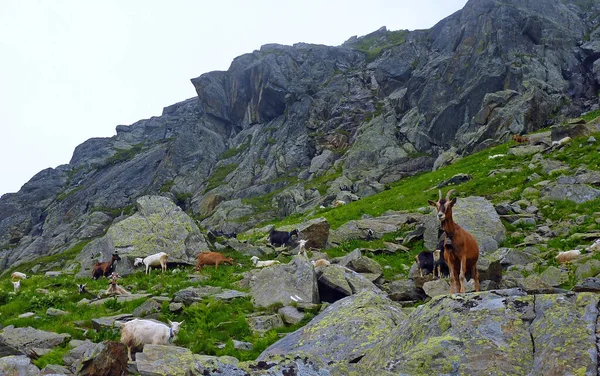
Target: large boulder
column 158, row 226
column 165, row 360
column 474, row 214
column 358, row 229
column 316, row 231
column 337, row 282
column 26, row 339
column 503, row 332
column 343, row 332
column 18, row 365
column 276, row 284
column 578, row 193
column 107, row 358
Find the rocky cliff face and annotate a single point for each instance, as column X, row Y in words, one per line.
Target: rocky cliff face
column 288, row 128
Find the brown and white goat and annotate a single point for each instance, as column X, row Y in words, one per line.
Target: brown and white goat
column 104, row 268
column 460, row 247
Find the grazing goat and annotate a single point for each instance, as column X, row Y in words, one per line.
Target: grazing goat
column 320, row 262
column 562, row 141
column 137, row 333
column 460, row 247
column 18, row 275
column 104, row 268
column 424, row 261
column 156, row 259
column 262, row 264
column 520, row 139
column 302, row 243
column 595, row 247
column 280, row 238
column 567, row 256
column 212, row 258
column 115, row 289
column 81, row 288
column 16, row 284
column 439, row 263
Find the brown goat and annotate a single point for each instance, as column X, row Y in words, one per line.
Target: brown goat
column 104, row 268
column 212, row 258
column 460, row 248
column 520, row 139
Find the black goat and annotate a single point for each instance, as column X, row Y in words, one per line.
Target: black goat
column 439, row 263
column 425, row 261
column 279, row 238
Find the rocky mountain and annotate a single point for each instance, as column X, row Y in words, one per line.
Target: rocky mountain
column 287, row 129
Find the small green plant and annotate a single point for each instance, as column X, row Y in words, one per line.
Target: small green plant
column 123, row 155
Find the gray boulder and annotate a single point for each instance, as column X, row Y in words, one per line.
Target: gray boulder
column 18, row 365
column 577, row 193
column 404, row 290
column 333, row 336
column 499, row 332
column 165, row 360
column 263, row 323
column 26, row 339
column 277, row 283
column 290, row 314
column 158, row 226
column 191, row 294
column 357, row 229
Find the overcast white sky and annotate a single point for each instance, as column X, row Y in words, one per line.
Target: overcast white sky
column 71, row 70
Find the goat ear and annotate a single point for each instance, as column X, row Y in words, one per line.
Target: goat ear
column 452, row 202
column 432, row 203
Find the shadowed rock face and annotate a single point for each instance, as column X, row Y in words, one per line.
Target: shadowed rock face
column 282, row 115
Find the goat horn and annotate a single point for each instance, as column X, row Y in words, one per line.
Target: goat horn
column 448, row 194
column 440, row 192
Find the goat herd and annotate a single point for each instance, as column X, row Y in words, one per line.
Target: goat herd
column 456, row 256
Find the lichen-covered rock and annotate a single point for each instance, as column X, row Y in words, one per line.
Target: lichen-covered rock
column 290, row 315
column 578, row 193
column 158, row 226
column 192, row 294
column 476, row 215
column 25, row 339
column 277, row 283
column 499, row 332
column 165, row 360
column 343, row 332
column 263, row 323
column 357, row 229
column 554, row 276
column 404, row 290
column 436, row 287
column 18, row 365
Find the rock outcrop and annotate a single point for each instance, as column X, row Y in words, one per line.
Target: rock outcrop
column 287, row 129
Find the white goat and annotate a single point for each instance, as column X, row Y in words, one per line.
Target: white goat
column 137, row 333
column 496, row 156
column 320, row 262
column 595, row 247
column 16, row 285
column 562, row 141
column 18, row 275
column 262, row 264
column 302, row 243
column 156, row 259
column 567, row 256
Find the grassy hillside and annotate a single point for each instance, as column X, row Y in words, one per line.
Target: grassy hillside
column 212, row 323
